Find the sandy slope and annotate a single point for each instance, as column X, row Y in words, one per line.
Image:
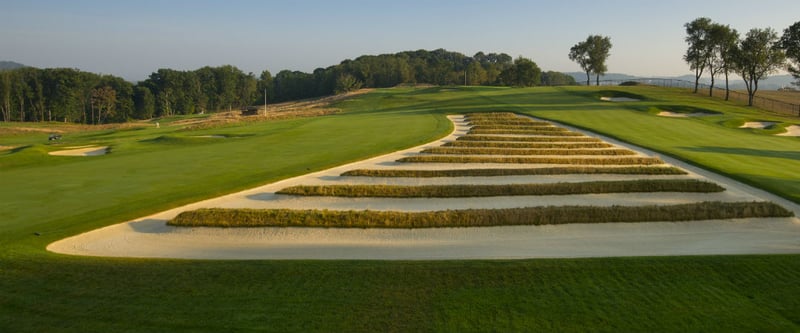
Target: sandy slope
column 150, row 237
column 81, row 151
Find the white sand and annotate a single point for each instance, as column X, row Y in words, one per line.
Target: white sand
column 683, row 115
column 757, row 124
column 81, row 151
column 150, row 237
column 618, row 99
column 791, row 130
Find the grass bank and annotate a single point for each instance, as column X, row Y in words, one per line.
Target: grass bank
column 461, row 191
column 226, row 218
column 634, row 170
column 528, row 151
column 533, row 160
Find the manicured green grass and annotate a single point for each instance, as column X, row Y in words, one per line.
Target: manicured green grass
column 530, row 151
column 532, row 160
column 456, row 191
column 631, row 170
column 59, row 197
column 227, row 218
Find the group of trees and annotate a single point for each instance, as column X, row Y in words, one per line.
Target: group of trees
column 591, row 55
column 31, row 94
column 718, row 49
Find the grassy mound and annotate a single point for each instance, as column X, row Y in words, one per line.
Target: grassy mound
column 549, row 131
column 219, row 217
column 526, row 139
column 513, row 151
column 462, row 191
column 529, row 145
column 533, row 160
column 632, row 170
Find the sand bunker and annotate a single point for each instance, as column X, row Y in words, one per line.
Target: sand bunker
column 82, row 151
column 683, row 115
column 758, row 124
column 792, row 130
column 150, row 237
column 619, row 99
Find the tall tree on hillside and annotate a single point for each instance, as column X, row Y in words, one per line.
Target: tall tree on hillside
column 720, row 45
column 103, row 99
column 790, row 43
column 5, row 94
column 591, row 55
column 696, row 56
column 599, row 50
column 264, row 86
column 757, row 56
column 580, row 53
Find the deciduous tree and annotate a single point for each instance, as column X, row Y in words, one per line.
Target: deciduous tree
column 757, row 56
column 697, row 36
column 790, row 43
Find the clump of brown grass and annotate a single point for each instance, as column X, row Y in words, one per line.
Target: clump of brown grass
column 533, row 160
column 631, row 170
column 514, row 151
column 226, row 218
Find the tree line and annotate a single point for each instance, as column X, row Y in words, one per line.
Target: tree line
column 70, row 95
column 718, row 49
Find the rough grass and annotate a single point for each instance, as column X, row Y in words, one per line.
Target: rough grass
column 510, row 122
column 514, row 151
column 529, row 145
column 461, row 191
column 220, row 217
column 526, row 138
column 547, row 131
column 536, row 127
column 532, row 160
column 632, row 170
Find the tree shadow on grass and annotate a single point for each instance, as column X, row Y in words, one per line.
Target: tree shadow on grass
column 794, row 155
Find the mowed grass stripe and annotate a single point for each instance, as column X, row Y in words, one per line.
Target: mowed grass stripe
column 514, row 151
column 633, row 170
column 528, row 145
column 226, row 218
column 532, row 160
column 526, row 138
column 463, row 191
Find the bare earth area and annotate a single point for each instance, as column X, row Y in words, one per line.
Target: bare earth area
column 683, row 115
column 151, row 237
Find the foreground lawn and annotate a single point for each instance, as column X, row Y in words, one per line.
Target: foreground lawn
column 45, row 198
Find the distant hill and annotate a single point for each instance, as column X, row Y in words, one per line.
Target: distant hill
column 7, row 65
column 771, row 83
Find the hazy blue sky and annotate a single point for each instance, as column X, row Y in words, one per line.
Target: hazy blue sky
column 134, row 38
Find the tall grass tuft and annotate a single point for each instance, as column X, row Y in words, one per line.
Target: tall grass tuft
column 528, row 145
column 526, row 138
column 631, row 170
column 554, row 131
column 220, row 217
column 514, row 151
column 463, row 191
column 532, row 160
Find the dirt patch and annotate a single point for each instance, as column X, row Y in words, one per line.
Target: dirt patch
column 81, row 151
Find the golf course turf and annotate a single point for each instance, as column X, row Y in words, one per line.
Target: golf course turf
column 46, row 198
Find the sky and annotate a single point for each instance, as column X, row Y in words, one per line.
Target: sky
column 132, row 39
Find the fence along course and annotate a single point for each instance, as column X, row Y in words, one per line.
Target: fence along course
column 772, row 105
